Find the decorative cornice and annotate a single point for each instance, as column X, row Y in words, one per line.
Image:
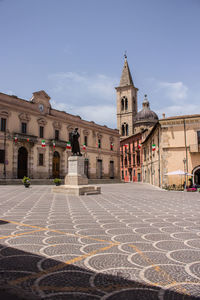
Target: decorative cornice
column 4, row 113
column 70, row 128
column 99, row 135
column 42, row 121
column 24, row 117
column 86, row 132
column 57, row 125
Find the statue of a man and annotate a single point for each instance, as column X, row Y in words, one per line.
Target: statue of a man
column 74, row 136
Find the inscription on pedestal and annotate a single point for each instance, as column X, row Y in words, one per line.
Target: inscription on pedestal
column 73, row 167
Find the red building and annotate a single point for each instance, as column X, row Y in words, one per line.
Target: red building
column 131, row 158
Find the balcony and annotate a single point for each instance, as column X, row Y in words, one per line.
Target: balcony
column 22, row 137
column 194, row 148
column 58, row 143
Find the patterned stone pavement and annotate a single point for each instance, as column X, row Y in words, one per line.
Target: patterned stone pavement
column 133, row 241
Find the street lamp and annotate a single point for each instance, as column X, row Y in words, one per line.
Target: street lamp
column 4, row 166
column 184, row 162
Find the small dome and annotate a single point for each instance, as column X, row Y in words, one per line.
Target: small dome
column 146, row 114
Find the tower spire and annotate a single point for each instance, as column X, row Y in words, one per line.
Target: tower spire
column 126, row 78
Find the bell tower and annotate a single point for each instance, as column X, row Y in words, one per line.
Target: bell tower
column 126, row 102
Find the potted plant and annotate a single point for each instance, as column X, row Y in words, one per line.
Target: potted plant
column 57, row 181
column 26, row 181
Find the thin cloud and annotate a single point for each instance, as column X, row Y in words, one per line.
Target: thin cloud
column 100, row 114
column 178, row 110
column 173, row 90
column 83, row 88
column 92, row 97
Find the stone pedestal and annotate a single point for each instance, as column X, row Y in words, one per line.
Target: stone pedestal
column 76, row 174
column 76, row 183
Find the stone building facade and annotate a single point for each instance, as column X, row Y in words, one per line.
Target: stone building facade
column 176, row 143
column 126, row 102
column 33, row 139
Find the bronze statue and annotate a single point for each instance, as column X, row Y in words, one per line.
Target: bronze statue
column 74, row 136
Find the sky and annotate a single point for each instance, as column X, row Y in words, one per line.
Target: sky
column 74, row 50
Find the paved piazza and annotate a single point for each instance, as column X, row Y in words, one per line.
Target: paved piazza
column 133, row 241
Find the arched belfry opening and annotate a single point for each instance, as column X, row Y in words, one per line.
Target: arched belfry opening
column 127, row 130
column 126, row 104
column 22, row 169
column 126, row 101
column 122, row 130
column 122, row 104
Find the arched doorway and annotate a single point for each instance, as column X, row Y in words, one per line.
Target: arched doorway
column 22, row 162
column 196, row 173
column 56, row 165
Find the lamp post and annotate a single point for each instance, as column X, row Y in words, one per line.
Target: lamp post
column 184, row 162
column 4, row 166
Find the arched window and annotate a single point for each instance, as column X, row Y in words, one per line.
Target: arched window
column 126, row 103
column 126, row 129
column 122, row 104
column 123, row 130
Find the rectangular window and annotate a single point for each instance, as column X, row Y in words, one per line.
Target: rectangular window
column 134, row 159
column 41, row 132
column 122, row 174
column 122, row 161
column 111, row 146
column 138, row 157
column 145, row 154
column 133, row 147
column 129, row 159
column 56, row 134
column 125, row 161
column 2, row 156
column 198, row 136
column 41, row 159
column 99, row 143
column 3, row 124
column 24, row 128
column 85, row 140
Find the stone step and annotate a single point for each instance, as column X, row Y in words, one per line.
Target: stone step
column 50, row 181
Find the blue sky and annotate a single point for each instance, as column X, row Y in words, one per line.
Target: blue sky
column 73, row 49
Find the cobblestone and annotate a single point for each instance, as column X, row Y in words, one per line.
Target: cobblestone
column 133, row 241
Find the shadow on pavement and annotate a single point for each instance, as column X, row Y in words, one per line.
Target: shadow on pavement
column 3, row 222
column 25, row 275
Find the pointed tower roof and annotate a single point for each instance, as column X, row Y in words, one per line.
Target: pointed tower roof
column 126, row 78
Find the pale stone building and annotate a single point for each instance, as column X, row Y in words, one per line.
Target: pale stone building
column 33, row 139
column 173, row 144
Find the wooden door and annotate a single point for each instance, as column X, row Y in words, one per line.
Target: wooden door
column 99, row 169
column 22, row 162
column 56, row 165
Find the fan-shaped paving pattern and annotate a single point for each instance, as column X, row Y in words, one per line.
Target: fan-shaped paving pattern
column 130, row 242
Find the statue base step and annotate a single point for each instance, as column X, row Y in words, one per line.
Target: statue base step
column 77, row 190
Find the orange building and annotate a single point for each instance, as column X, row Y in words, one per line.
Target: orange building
column 131, row 158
